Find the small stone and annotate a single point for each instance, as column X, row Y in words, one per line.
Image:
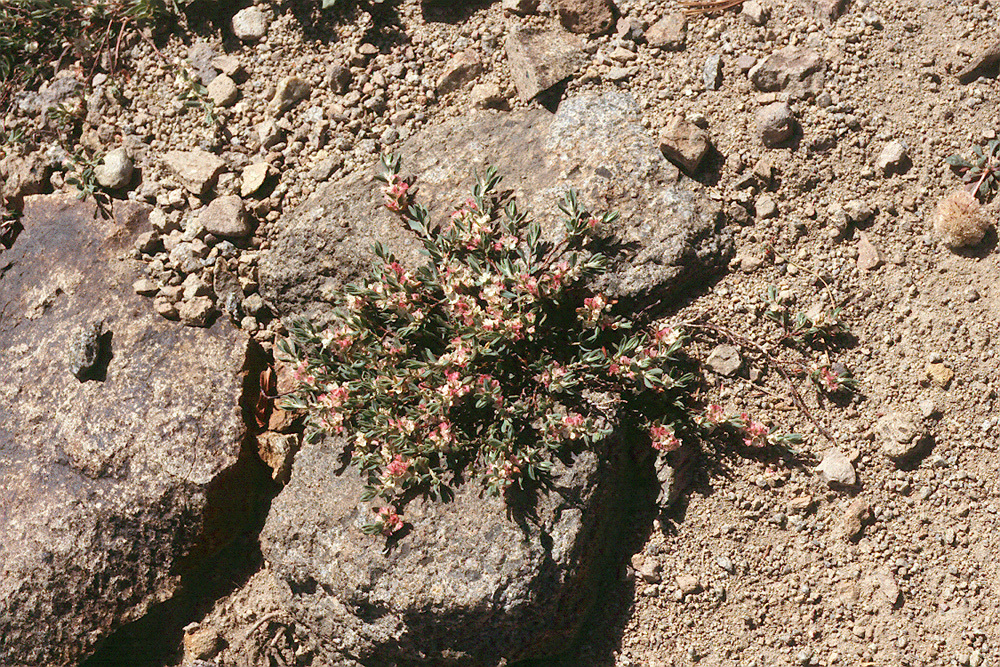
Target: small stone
column 745, row 62
column 145, row 287
column 253, row 177
column 254, row 305
column 754, row 12
column 539, row 59
column 836, row 469
column 229, row 65
column 712, row 72
column 223, row 91
column 324, row 169
column 488, row 96
column 726, row 563
column 792, row 67
column 459, row 70
column 684, row 143
column 148, row 242
column 869, row 257
column 902, row 438
column 669, row 33
column 338, row 78
column 85, row 350
column 647, row 568
column 724, row 360
column 586, row 17
column 858, row 211
column 200, row 643
column 194, row 286
column 268, row 133
column 115, row 170
column 828, row 10
column 196, row 170
column 765, row 207
column 225, row 216
column 196, row 312
column 888, row 587
column 853, row 520
column 687, row 584
column 893, row 158
column 290, row 91
column 928, row 408
column 620, row 73
column 250, row 24
column 939, row 374
column 775, row 123
column 165, row 307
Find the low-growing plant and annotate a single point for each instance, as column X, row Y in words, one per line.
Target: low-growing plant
column 801, row 329
column 982, row 173
column 83, row 174
column 35, row 33
column 194, row 95
column 491, row 359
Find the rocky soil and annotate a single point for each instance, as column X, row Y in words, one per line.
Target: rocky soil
column 819, row 128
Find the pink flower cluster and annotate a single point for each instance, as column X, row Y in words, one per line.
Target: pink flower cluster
column 755, row 433
column 664, row 439
column 391, row 521
column 396, row 194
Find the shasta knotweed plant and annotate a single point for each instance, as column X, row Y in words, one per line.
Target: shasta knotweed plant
column 488, row 361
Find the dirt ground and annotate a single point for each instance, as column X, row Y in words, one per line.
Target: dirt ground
column 761, row 562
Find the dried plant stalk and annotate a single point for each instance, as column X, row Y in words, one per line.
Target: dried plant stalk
column 691, row 7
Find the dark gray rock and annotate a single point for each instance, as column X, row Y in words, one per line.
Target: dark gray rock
column 474, row 583
column 111, row 487
column 594, row 144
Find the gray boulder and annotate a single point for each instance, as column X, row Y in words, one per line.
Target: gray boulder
column 594, row 144
column 119, row 477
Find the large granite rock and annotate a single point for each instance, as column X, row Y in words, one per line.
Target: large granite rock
column 475, row 582
column 123, row 476
column 594, row 143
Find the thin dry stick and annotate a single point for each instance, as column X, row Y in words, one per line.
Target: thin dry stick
column 707, row 6
column 746, row 342
column 256, row 626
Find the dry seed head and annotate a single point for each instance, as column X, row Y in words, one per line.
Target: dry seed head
column 960, row 220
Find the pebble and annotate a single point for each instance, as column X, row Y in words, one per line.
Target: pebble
column 712, row 72
column 939, row 374
column 869, row 257
column 250, row 24
column 852, row 521
column 893, row 158
column 836, row 469
column 724, row 360
column 765, row 207
column 669, row 33
column 902, row 438
column 687, row 584
column 223, row 91
column 196, row 312
column 488, row 96
column 253, row 177
column 775, row 123
column 290, row 91
column 586, row 17
column 115, row 170
column 684, row 143
column 225, row 216
column 145, row 287
column 459, row 70
column 754, row 12
column 196, row 170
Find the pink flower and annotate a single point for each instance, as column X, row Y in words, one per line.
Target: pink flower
column 715, row 414
column 397, row 467
column 756, row 432
column 664, row 439
column 391, row 522
column 571, row 425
